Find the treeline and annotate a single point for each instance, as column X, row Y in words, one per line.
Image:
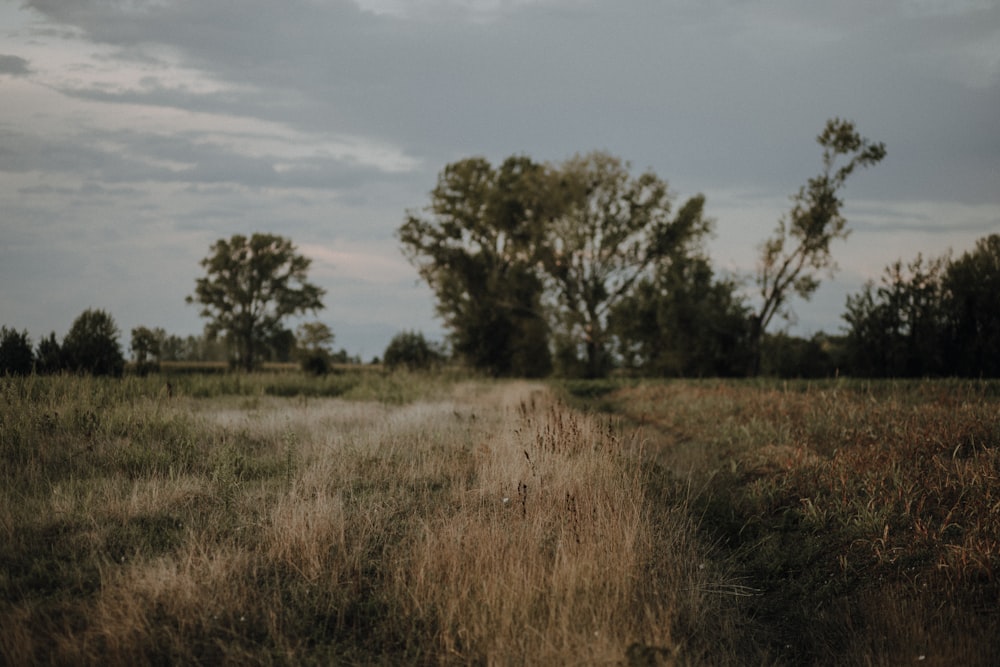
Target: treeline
column 93, row 346
column 930, row 317
column 581, row 268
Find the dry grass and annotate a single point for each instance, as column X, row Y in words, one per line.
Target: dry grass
column 868, row 513
column 488, row 524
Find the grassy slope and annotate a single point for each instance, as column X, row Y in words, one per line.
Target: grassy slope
column 867, row 515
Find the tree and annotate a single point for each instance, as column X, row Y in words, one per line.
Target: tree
column 479, row 248
column 250, row 287
column 792, row 259
column 314, row 341
column 16, row 355
column 683, row 322
column 614, row 228
column 146, row 349
column 49, row 356
column 971, row 286
column 412, row 350
column 92, row 346
column 898, row 329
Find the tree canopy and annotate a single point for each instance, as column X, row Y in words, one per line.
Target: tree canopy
column 793, row 258
column 250, row 286
column 478, row 247
column 92, row 345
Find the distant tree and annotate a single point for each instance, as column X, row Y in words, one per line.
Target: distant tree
column 16, row 355
column 146, row 350
column 898, row 329
column 478, row 248
column 683, row 322
column 793, row 258
column 411, row 350
column 971, row 292
column 92, row 346
column 614, row 229
column 250, row 287
column 314, row 341
column 49, row 356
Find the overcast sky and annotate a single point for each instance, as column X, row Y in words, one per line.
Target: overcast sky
column 135, row 133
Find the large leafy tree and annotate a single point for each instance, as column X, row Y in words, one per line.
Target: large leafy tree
column 478, row 246
column 92, row 345
column 250, row 286
column 792, row 260
column 613, row 230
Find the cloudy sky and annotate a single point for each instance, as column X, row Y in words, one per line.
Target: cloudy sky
column 134, row 133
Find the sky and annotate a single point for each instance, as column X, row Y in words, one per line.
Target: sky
column 135, row 133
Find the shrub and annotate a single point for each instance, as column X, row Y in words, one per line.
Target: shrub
column 16, row 356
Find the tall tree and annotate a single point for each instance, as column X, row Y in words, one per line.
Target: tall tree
column 792, row 260
column 478, row 248
column 250, row 286
column 614, row 229
column 92, row 346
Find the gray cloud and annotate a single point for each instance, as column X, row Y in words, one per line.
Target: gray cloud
column 14, row 65
column 328, row 120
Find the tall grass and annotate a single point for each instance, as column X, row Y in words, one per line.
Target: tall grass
column 867, row 513
column 220, row 521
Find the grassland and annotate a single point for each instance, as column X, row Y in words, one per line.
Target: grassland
column 376, row 519
column 373, row 518
column 865, row 515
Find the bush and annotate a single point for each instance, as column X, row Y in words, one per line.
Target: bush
column 411, row 350
column 16, row 356
column 92, row 346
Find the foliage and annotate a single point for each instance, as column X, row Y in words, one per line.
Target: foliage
column 971, row 286
column 897, row 329
column 250, row 287
column 92, row 345
column 313, row 341
column 411, row 350
column 614, row 230
column 146, row 350
column 792, row 259
column 788, row 356
column 683, row 322
column 16, row 355
column 478, row 251
column 935, row 317
column 49, row 356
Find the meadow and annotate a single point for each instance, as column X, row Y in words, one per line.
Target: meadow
column 397, row 518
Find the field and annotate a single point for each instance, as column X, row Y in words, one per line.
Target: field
column 425, row 519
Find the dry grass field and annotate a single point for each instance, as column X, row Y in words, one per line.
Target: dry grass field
column 378, row 518
column 865, row 515
column 411, row 520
